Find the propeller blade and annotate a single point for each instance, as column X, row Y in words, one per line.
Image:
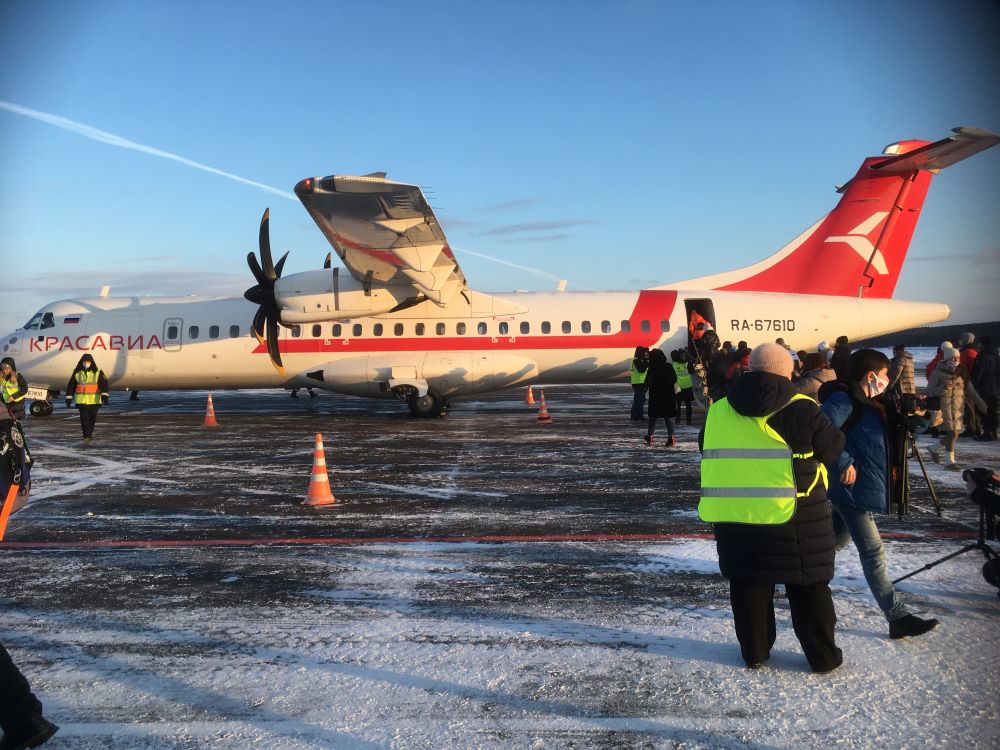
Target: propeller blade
column 279, row 265
column 328, row 261
column 255, row 269
column 259, row 320
column 272, row 339
column 265, row 244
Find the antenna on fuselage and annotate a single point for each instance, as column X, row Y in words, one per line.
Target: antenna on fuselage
column 105, row 290
column 562, row 285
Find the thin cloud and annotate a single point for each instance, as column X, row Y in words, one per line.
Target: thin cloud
column 102, row 136
column 537, row 226
column 534, row 238
column 514, row 204
column 139, row 283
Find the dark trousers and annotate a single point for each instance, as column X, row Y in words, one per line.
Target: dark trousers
column 88, row 419
column 990, row 420
column 651, row 427
column 813, row 618
column 686, row 405
column 638, row 400
column 17, row 701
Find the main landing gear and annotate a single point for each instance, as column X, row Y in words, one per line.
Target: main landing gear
column 40, row 408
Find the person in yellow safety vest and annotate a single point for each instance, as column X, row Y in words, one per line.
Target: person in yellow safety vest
column 88, row 391
column 685, row 394
column 13, row 387
column 637, row 376
column 763, row 486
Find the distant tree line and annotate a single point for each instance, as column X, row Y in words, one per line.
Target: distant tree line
column 932, row 336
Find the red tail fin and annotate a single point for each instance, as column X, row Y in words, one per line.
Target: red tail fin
column 859, row 247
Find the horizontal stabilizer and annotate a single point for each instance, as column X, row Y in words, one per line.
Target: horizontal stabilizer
column 936, row 156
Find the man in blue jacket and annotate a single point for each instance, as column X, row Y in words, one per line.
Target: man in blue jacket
column 864, row 479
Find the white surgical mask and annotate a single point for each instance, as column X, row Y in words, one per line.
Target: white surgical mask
column 876, row 386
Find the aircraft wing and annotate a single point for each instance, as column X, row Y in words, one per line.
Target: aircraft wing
column 385, row 233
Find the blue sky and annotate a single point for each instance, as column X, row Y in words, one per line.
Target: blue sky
column 614, row 144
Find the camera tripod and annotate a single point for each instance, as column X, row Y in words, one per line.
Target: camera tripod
column 980, row 544
column 908, row 445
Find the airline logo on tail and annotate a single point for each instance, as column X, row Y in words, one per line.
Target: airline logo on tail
column 858, row 239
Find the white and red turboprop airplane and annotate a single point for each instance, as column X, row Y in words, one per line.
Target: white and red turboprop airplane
column 402, row 321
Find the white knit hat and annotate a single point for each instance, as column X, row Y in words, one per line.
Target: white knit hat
column 772, row 358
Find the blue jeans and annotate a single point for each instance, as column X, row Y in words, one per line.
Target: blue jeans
column 851, row 523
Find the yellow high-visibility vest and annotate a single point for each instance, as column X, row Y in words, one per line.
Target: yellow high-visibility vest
column 87, row 392
column 683, row 376
column 747, row 473
column 636, row 377
column 10, row 387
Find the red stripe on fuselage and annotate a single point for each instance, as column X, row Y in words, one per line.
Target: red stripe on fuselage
column 652, row 305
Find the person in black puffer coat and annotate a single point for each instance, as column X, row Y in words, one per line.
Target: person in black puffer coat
column 661, row 380
column 986, row 380
column 798, row 553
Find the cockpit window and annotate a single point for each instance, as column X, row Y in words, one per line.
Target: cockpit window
column 32, row 325
column 48, row 321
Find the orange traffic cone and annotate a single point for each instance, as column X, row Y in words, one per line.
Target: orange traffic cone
column 529, row 397
column 210, row 414
column 319, row 483
column 543, row 411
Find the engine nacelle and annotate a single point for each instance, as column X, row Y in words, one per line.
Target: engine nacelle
column 313, row 296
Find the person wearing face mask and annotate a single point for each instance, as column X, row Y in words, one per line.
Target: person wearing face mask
column 950, row 382
column 88, row 391
column 860, row 479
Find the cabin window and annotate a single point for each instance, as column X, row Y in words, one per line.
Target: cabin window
column 192, row 332
column 377, row 329
column 626, row 326
column 546, row 327
column 567, row 327
column 419, row 329
column 356, row 331
column 317, row 330
column 525, row 327
column 173, row 332
column 664, row 325
column 481, row 328
column 644, row 326
column 439, row 329
column 460, row 329
column 605, row 326
column 336, row 331
column 296, row 331
column 397, row 329
column 234, row 332
column 585, row 326
column 504, row 328
column 213, row 332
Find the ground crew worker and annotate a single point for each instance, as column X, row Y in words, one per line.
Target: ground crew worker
column 88, row 391
column 763, row 485
column 637, row 376
column 686, row 393
column 13, row 387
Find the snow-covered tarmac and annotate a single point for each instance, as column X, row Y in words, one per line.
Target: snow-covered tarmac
column 605, row 624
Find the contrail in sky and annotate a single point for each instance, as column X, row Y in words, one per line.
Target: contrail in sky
column 536, row 271
column 111, row 139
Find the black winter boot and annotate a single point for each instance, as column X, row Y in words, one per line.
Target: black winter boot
column 910, row 625
column 36, row 730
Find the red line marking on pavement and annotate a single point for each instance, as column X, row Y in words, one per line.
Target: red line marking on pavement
column 484, row 539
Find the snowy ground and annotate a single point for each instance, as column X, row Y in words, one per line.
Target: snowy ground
column 621, row 638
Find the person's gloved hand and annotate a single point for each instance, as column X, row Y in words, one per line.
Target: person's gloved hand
column 104, row 400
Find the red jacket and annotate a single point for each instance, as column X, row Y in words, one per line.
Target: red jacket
column 968, row 357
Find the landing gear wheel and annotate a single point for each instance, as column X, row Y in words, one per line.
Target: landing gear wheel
column 40, row 408
column 427, row 406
